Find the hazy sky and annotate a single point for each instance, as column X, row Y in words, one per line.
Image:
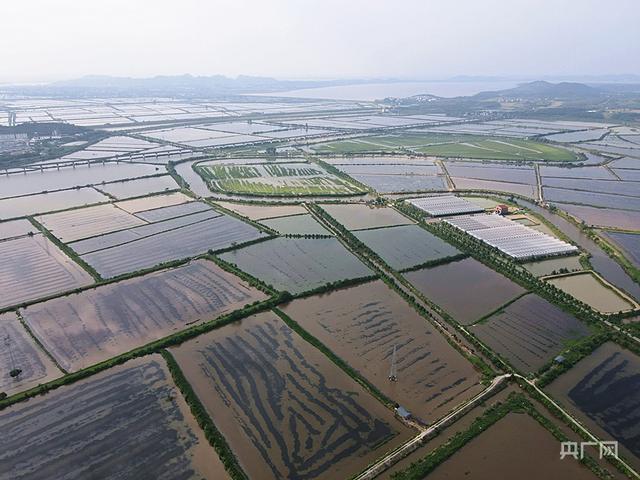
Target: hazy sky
column 47, row 39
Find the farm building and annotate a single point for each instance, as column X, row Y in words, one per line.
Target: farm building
column 403, row 413
column 511, row 238
column 442, row 205
column 502, row 209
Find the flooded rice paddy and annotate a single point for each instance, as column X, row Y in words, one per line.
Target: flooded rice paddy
column 466, row 289
column 614, row 187
column 516, row 446
column 19, row 351
column 474, row 184
column 604, row 217
column 127, row 422
column 359, row 216
column 52, row 179
column 576, row 172
column 49, row 202
column 495, row 172
column 629, row 243
column 197, row 213
column 587, row 288
column 284, row 408
column 259, row 212
column 406, row 246
column 604, row 200
column 628, row 175
column 173, row 211
column 157, row 201
column 136, row 188
column 529, row 332
column 402, row 183
column 552, row 266
column 16, row 228
column 603, row 390
column 296, row 225
column 83, row 329
column 33, row 267
column 363, row 324
column 423, row 169
column 298, row 264
column 626, row 162
column 182, row 237
column 80, row 223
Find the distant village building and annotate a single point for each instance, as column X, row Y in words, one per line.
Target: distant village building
column 559, row 359
column 502, row 209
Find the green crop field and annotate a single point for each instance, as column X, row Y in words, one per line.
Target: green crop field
column 275, row 180
column 454, row 145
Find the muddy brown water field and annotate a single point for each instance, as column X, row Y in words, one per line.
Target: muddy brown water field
column 296, row 225
column 603, row 390
column 553, row 265
column 94, row 325
column 150, row 203
column 127, row 422
column 587, row 288
column 284, row 408
column 363, row 324
column 629, row 243
column 358, row 216
column 298, row 264
column 260, row 212
column 405, row 246
column 529, row 332
column 49, row 202
column 73, row 225
column 33, row 267
column 516, row 446
column 19, row 351
column 16, row 228
column 465, row 289
column 604, row 217
column 142, row 186
column 194, row 237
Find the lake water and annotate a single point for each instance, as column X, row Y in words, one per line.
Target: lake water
column 373, row 91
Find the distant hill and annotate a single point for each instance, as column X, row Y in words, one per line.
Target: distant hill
column 170, row 86
column 184, row 82
column 542, row 89
column 613, row 102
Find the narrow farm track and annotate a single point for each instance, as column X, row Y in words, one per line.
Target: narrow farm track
column 536, row 167
column 416, row 442
column 571, row 419
column 450, row 186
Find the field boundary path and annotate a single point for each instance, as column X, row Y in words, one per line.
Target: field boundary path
column 570, row 418
column 402, row 286
column 536, row 168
